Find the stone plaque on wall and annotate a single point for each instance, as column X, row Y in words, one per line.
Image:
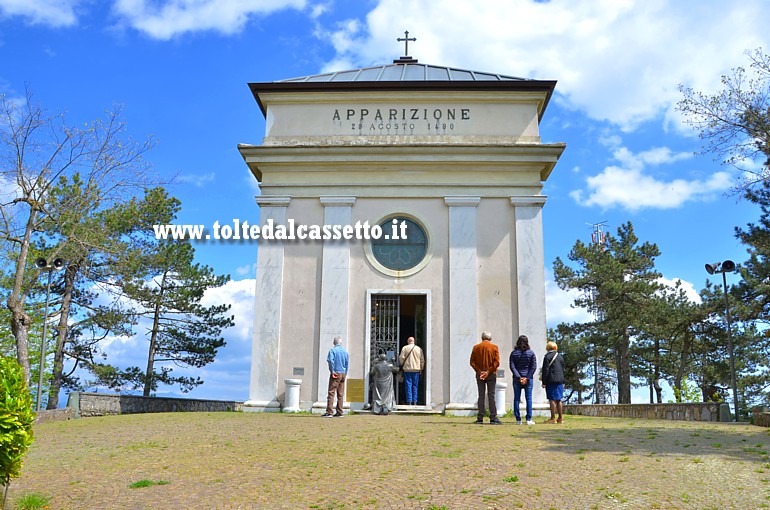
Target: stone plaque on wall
column 299, row 371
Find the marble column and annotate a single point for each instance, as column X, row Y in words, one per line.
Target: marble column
column 265, row 346
column 463, row 307
column 530, row 279
column 335, row 279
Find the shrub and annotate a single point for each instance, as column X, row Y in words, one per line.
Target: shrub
column 16, row 418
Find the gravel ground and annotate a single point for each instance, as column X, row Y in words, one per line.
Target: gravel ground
column 252, row 460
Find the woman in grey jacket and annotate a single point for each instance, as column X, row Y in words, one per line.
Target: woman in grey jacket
column 553, row 381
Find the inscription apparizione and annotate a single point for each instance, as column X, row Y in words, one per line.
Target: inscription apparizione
column 400, row 121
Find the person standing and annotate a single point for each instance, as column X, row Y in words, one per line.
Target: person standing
column 553, row 381
column 338, row 370
column 412, row 362
column 523, row 363
column 485, row 359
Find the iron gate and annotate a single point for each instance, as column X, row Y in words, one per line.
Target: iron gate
column 384, row 332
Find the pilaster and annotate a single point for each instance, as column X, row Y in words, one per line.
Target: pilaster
column 529, row 262
column 265, row 345
column 335, row 292
column 463, row 301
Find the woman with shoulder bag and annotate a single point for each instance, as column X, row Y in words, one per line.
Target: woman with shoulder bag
column 553, row 381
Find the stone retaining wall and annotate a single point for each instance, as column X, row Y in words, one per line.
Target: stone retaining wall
column 762, row 419
column 711, row 411
column 102, row 404
column 54, row 415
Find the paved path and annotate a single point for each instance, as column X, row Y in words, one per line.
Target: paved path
column 249, row 460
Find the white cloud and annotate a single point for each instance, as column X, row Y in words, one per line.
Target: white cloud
column 248, row 269
column 620, row 61
column 687, row 287
column 165, row 20
column 197, row 180
column 559, row 304
column 56, row 13
column 633, row 187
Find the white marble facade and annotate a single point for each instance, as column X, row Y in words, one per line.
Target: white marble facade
column 474, row 187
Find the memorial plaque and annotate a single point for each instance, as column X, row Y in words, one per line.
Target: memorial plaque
column 299, row 371
column 355, row 390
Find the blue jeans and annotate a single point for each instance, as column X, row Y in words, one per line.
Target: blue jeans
column 517, row 387
column 412, row 381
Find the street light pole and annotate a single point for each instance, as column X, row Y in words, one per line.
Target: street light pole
column 41, row 263
column 725, row 267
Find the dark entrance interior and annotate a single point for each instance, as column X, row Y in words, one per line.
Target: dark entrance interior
column 396, row 317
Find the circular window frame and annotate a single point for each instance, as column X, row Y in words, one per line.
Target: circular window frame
column 376, row 264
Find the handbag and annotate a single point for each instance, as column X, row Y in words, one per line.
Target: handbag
column 540, row 372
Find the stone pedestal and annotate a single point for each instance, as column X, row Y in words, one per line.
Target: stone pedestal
column 291, row 403
column 500, row 387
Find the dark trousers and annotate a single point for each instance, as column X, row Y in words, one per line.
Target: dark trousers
column 336, row 388
column 487, row 388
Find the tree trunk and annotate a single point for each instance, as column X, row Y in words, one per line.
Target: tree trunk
column 656, row 374
column 19, row 319
column 624, row 368
column 148, row 377
column 658, row 390
column 597, row 389
column 58, row 360
column 20, row 329
column 680, row 370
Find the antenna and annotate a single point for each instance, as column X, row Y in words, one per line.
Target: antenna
column 598, row 235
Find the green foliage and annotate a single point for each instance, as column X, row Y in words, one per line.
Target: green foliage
column 40, row 153
column 16, row 418
column 617, row 282
column 687, row 393
column 168, row 288
column 32, row 501
column 575, row 352
column 101, row 246
column 146, row 483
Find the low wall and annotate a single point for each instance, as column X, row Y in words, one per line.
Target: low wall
column 54, row 415
column 762, row 419
column 102, row 404
column 711, row 411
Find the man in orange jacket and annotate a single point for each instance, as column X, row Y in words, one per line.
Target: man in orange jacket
column 485, row 358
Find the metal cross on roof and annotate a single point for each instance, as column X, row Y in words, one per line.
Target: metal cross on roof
column 406, row 40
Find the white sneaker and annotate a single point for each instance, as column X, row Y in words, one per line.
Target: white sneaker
column 530, row 422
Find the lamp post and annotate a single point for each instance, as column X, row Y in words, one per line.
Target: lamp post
column 728, row 266
column 43, row 265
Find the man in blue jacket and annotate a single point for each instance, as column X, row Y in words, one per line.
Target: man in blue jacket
column 338, row 369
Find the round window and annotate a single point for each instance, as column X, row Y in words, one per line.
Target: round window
column 402, row 246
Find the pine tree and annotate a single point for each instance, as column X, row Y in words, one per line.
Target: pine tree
column 617, row 281
column 168, row 291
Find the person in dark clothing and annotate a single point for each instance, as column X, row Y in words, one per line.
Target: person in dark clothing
column 523, row 363
column 553, row 381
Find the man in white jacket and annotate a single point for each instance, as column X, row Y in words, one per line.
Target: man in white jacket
column 412, row 361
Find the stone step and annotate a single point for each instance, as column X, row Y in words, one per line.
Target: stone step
column 404, row 410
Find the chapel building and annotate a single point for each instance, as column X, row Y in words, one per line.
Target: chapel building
column 452, row 157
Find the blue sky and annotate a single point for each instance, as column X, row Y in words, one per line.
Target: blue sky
column 180, row 69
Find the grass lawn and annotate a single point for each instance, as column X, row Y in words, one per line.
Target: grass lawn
column 251, row 460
